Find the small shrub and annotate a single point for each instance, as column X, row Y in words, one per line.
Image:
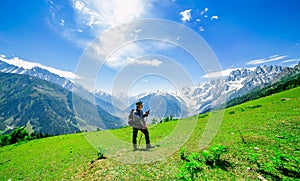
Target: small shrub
column 231, row 112
column 166, row 119
column 182, row 153
column 253, row 106
column 19, row 134
column 202, row 115
column 193, row 163
column 101, row 152
column 212, row 156
column 191, row 167
column 5, row 140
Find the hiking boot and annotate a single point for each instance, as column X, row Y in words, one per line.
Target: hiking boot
column 148, row 146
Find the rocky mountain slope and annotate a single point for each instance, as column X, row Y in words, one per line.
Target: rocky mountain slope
column 206, row 95
column 47, row 108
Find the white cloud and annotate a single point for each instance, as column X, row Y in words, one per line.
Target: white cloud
column 91, row 18
column 201, row 29
column 145, row 62
column 107, row 14
column 214, row 17
column 114, row 51
column 265, row 60
column 292, row 60
column 86, row 15
column 78, row 5
column 219, row 74
column 130, row 54
column 186, row 15
column 16, row 61
column 62, row 22
column 204, row 11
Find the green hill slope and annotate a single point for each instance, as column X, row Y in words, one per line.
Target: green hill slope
column 47, row 107
column 262, row 137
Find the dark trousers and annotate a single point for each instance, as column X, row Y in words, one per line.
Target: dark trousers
column 135, row 133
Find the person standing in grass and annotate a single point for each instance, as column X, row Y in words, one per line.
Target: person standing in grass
column 139, row 124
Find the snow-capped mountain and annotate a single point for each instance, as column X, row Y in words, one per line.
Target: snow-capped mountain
column 207, row 95
column 35, row 72
column 19, row 66
column 109, row 103
column 162, row 104
column 188, row 101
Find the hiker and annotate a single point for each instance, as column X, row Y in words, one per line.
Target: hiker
column 140, row 124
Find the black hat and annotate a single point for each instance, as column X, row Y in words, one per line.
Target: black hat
column 138, row 103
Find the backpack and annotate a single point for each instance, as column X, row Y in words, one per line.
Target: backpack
column 130, row 118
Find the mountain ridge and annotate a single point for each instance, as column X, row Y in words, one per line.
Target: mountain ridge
column 48, row 107
column 193, row 99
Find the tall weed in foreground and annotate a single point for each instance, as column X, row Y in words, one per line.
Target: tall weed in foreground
column 195, row 163
column 192, row 165
column 278, row 166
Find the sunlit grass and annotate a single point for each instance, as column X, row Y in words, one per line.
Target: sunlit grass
column 265, row 126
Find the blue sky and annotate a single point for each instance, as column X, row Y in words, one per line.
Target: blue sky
column 244, row 33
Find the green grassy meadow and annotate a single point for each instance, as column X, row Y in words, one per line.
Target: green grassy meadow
column 262, row 138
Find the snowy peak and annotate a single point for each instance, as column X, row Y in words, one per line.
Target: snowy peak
column 162, row 104
column 23, row 64
column 271, row 69
column 258, row 73
column 238, row 74
column 190, row 100
column 32, row 69
column 240, row 81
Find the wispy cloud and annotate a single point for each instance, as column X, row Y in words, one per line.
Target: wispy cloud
column 268, row 59
column 78, row 5
column 292, row 60
column 145, row 62
column 107, row 14
column 219, row 74
column 130, row 53
column 91, row 18
column 186, row 15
